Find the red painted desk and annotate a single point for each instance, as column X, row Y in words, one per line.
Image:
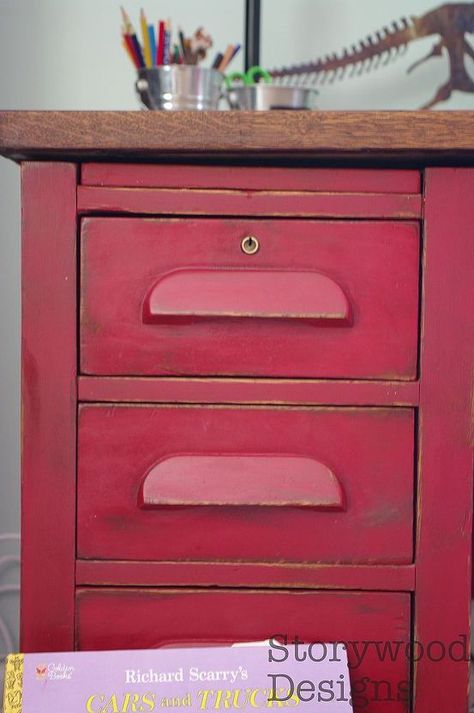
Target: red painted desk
column 247, row 386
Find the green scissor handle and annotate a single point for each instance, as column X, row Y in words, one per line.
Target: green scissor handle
column 254, row 72
column 234, row 77
column 248, row 78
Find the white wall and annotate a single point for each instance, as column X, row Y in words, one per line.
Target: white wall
column 298, row 30
column 65, row 54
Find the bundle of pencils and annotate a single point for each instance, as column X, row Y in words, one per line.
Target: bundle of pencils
column 158, row 48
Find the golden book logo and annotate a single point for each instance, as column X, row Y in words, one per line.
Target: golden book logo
column 53, row 671
column 41, row 672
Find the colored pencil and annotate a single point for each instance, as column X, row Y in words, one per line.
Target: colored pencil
column 237, row 49
column 217, row 60
column 145, row 39
column 127, row 43
column 151, row 33
column 227, row 57
column 127, row 22
column 167, row 42
column 138, row 49
column 182, row 43
column 161, row 43
column 177, row 56
column 191, row 58
column 133, row 38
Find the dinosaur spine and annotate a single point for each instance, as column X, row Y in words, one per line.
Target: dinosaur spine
column 387, row 42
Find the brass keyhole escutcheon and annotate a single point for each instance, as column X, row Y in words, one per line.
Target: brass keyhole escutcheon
column 250, row 245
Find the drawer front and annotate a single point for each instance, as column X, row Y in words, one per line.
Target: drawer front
column 317, row 299
column 255, row 484
column 369, row 622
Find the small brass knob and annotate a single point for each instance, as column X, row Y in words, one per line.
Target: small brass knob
column 250, row 245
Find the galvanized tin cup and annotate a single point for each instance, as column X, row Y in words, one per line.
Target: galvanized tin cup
column 179, row 87
column 263, row 97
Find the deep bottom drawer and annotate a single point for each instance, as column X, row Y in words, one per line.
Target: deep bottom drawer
column 376, row 627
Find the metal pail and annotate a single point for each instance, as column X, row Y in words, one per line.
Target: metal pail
column 179, row 87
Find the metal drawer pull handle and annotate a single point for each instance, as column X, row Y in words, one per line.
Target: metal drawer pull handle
column 250, row 245
column 236, row 480
column 193, row 294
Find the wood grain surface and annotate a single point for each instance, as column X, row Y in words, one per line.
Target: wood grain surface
column 433, row 137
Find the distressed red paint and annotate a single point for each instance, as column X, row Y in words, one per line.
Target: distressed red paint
column 394, row 561
column 369, row 451
column 365, row 272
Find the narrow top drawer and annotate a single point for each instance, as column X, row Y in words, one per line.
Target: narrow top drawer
column 338, row 180
column 237, row 190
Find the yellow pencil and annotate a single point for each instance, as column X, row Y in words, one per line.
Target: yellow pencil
column 146, row 40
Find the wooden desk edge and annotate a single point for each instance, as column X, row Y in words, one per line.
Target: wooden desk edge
column 426, row 137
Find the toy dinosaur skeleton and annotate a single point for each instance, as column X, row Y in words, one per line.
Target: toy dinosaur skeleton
column 451, row 22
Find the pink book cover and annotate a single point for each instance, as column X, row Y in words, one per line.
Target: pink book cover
column 313, row 678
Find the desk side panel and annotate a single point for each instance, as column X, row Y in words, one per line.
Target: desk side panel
column 443, row 577
column 49, row 373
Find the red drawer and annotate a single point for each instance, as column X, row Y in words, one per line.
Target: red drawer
column 318, row 299
column 255, row 484
column 372, row 624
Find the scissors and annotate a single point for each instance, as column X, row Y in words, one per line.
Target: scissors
column 249, row 77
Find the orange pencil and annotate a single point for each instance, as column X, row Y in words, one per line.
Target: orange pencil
column 129, row 48
column 226, row 58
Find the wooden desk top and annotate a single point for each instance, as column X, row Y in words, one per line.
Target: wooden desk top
column 325, row 137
